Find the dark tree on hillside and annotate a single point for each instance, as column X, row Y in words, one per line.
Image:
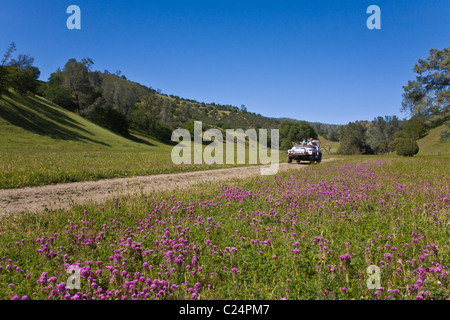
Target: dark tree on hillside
column 380, row 133
column 414, row 127
column 4, row 81
column 75, row 78
column 23, row 80
column 430, row 92
column 295, row 131
column 18, row 73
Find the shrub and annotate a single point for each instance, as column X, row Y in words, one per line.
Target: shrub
column 59, row 95
column 3, row 79
column 162, row 132
column 109, row 118
column 23, row 80
column 407, row 147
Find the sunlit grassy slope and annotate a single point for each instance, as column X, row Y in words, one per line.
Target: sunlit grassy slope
column 431, row 144
column 35, row 124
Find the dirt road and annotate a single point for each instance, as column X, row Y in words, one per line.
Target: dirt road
column 66, row 194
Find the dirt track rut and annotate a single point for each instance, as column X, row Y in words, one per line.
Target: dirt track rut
column 66, row 194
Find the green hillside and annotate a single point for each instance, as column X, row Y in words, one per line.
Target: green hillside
column 328, row 145
column 42, row 143
column 32, row 123
column 431, row 144
column 173, row 110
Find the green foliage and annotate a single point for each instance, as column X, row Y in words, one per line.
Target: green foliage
column 414, row 127
column 59, row 95
column 23, row 80
column 162, row 132
column 74, row 78
column 400, row 135
column 328, row 131
column 353, row 139
column 430, row 93
column 109, row 118
column 18, row 73
column 141, row 120
column 189, row 126
column 4, row 79
column 406, row 147
column 295, row 131
column 380, row 133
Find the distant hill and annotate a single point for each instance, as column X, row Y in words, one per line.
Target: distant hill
column 93, row 94
column 173, row 110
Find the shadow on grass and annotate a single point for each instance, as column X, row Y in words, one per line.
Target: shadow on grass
column 44, row 121
column 138, row 140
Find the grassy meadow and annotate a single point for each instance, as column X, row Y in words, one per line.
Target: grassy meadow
column 308, row 234
column 431, row 144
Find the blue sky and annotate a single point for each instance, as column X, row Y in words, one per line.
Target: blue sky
column 308, row 60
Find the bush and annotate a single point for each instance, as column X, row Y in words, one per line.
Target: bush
column 59, row 95
column 23, row 80
column 295, row 131
column 407, row 147
column 141, row 120
column 162, row 132
column 353, row 139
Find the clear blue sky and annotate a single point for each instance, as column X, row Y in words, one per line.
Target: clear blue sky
column 309, row 60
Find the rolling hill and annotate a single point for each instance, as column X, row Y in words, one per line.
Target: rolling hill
column 32, row 122
column 431, row 144
column 42, row 143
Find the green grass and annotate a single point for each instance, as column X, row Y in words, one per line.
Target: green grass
column 328, row 143
column 431, row 144
column 42, row 143
column 260, row 238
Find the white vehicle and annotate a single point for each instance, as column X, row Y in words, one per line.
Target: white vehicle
column 305, row 152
